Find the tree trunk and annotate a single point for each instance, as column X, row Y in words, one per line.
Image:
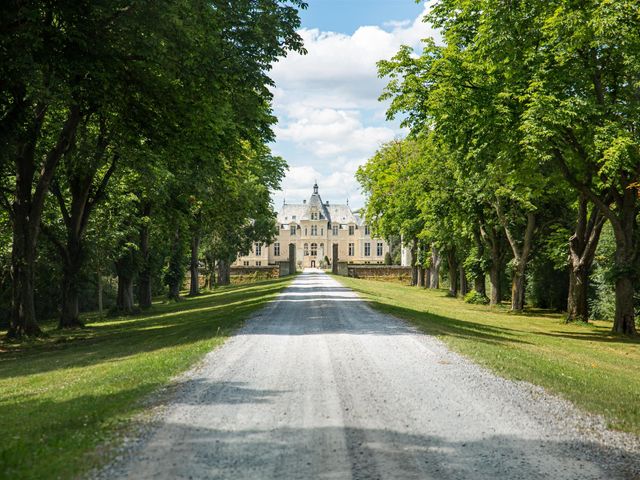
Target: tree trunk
column 521, row 251
column 194, row 265
column 464, row 286
column 479, row 284
column 145, row 294
column 582, row 250
column 624, row 232
column 577, row 306
column 427, row 277
column 26, row 214
column 420, row 279
column 125, row 272
column 478, row 274
column 436, row 259
column 414, row 262
column 100, row 291
column 224, row 272
column 124, row 300
column 624, row 321
column 494, row 239
column 175, row 276
column 453, row 272
column 70, row 311
column 495, row 278
column 518, row 288
column 23, row 311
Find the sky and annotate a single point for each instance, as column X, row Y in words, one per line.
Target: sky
column 330, row 120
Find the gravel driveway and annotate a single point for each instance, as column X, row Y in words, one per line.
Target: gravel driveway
column 319, row 385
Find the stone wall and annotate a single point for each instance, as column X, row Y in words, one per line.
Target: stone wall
column 285, row 268
column 264, row 272
column 386, row 272
column 343, row 269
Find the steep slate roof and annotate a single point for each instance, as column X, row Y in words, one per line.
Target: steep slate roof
column 334, row 213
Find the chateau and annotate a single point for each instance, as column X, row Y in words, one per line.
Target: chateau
column 313, row 226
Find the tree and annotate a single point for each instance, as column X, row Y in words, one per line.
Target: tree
column 81, row 86
column 582, row 114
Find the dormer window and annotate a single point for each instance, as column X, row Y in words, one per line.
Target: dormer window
column 314, row 215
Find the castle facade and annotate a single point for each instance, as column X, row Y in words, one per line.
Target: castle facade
column 313, row 227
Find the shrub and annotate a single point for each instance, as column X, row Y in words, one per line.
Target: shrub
column 476, row 298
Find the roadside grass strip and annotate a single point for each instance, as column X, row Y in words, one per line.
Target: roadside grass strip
column 584, row 363
column 72, row 391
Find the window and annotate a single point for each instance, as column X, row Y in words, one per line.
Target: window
column 258, row 263
column 276, row 249
column 314, row 216
column 283, row 226
column 314, row 230
column 293, row 229
column 246, row 263
column 306, row 249
column 321, row 231
column 305, row 231
column 379, row 249
column 367, row 249
column 351, row 229
column 351, row 249
column 293, row 217
column 314, row 249
column 258, row 248
column 335, row 229
column 366, row 230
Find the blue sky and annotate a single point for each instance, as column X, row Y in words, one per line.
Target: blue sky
column 330, row 120
column 345, row 16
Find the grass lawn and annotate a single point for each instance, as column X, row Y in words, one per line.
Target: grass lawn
column 586, row 364
column 62, row 396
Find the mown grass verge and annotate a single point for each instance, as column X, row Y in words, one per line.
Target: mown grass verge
column 64, row 395
column 584, row 363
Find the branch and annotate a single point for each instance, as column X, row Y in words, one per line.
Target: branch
column 55, row 189
column 100, row 191
column 56, row 242
column 6, row 204
column 583, row 188
column 507, row 231
column 594, row 236
column 65, row 140
column 528, row 235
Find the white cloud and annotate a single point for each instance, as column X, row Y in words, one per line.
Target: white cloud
column 336, row 186
column 328, row 132
column 327, row 105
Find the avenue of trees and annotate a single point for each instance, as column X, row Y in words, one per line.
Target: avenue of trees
column 523, row 162
column 133, row 145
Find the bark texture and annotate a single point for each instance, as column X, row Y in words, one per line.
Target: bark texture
column 144, row 277
column 582, row 249
column 194, row 287
column 125, row 270
column 224, row 272
column 434, row 274
column 464, row 285
column 452, row 262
